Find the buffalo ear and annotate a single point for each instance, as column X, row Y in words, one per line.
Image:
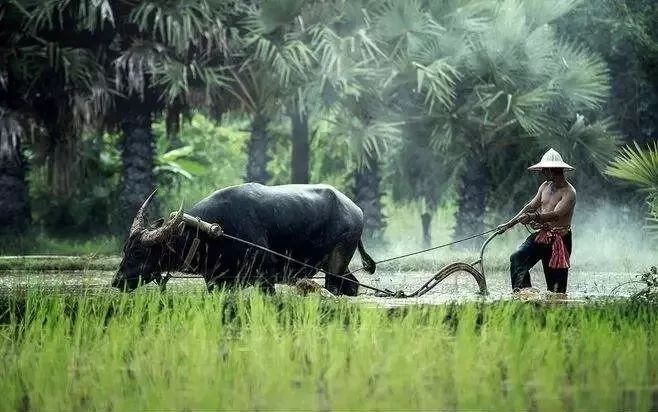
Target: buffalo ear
column 156, row 224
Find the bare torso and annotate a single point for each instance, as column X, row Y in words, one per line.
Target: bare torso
column 552, row 198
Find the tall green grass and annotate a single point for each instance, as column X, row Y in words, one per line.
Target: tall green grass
column 157, row 351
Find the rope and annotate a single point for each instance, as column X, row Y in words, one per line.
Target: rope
column 428, row 249
column 385, row 292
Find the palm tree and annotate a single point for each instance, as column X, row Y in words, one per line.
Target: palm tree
column 13, row 188
column 276, row 62
column 540, row 100
column 170, row 57
column 51, row 84
column 491, row 77
column 347, row 85
column 360, row 125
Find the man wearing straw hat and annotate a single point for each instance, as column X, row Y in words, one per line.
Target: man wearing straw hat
column 550, row 213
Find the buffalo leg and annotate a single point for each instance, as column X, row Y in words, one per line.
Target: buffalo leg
column 162, row 282
column 337, row 264
column 266, row 287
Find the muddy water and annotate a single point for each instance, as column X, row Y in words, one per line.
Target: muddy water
column 583, row 286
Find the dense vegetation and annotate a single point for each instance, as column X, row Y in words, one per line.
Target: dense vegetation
column 395, row 102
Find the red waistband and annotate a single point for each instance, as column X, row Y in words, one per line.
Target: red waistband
column 559, row 253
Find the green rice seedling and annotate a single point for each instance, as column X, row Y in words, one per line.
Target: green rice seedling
column 244, row 350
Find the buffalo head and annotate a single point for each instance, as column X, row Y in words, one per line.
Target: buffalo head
column 144, row 249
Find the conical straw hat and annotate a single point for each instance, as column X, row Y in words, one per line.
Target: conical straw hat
column 551, row 159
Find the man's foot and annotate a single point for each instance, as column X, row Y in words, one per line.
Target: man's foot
column 530, row 293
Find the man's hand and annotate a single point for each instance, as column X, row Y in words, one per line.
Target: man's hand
column 503, row 228
column 526, row 218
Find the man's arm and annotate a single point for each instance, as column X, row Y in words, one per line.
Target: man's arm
column 563, row 208
column 532, row 205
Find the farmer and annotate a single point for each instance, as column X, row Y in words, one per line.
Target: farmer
column 550, row 211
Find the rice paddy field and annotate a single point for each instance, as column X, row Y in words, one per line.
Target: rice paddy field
column 69, row 342
column 246, row 351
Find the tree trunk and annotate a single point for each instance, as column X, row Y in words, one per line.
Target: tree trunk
column 172, row 125
column 368, row 196
column 472, row 201
column 300, row 147
column 426, row 221
column 258, row 156
column 138, row 180
column 14, row 205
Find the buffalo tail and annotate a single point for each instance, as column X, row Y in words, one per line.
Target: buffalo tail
column 368, row 262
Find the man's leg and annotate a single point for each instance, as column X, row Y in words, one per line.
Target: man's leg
column 521, row 261
column 556, row 279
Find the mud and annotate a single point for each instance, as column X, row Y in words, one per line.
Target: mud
column 583, row 286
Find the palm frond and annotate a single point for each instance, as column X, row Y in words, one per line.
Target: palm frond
column 277, row 13
column 592, row 143
column 180, row 25
column 438, row 82
column 529, row 109
column 90, row 15
column 509, row 26
column 540, row 52
column 467, row 17
column 288, row 57
column 400, row 18
column 637, row 166
column 366, row 140
column 133, row 65
column 582, row 77
column 88, row 106
column 402, row 22
column 541, row 12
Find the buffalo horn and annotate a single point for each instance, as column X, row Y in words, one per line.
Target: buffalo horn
column 139, row 223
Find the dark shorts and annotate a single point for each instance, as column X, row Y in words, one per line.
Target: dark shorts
column 527, row 256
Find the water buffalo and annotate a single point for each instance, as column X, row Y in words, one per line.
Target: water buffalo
column 315, row 224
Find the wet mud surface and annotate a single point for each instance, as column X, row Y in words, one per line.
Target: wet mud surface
column 583, row 286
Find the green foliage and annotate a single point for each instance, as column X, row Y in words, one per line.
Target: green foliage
column 640, row 167
column 182, row 161
column 51, row 85
column 426, row 88
column 152, row 351
column 217, row 151
column 89, row 206
column 650, row 291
